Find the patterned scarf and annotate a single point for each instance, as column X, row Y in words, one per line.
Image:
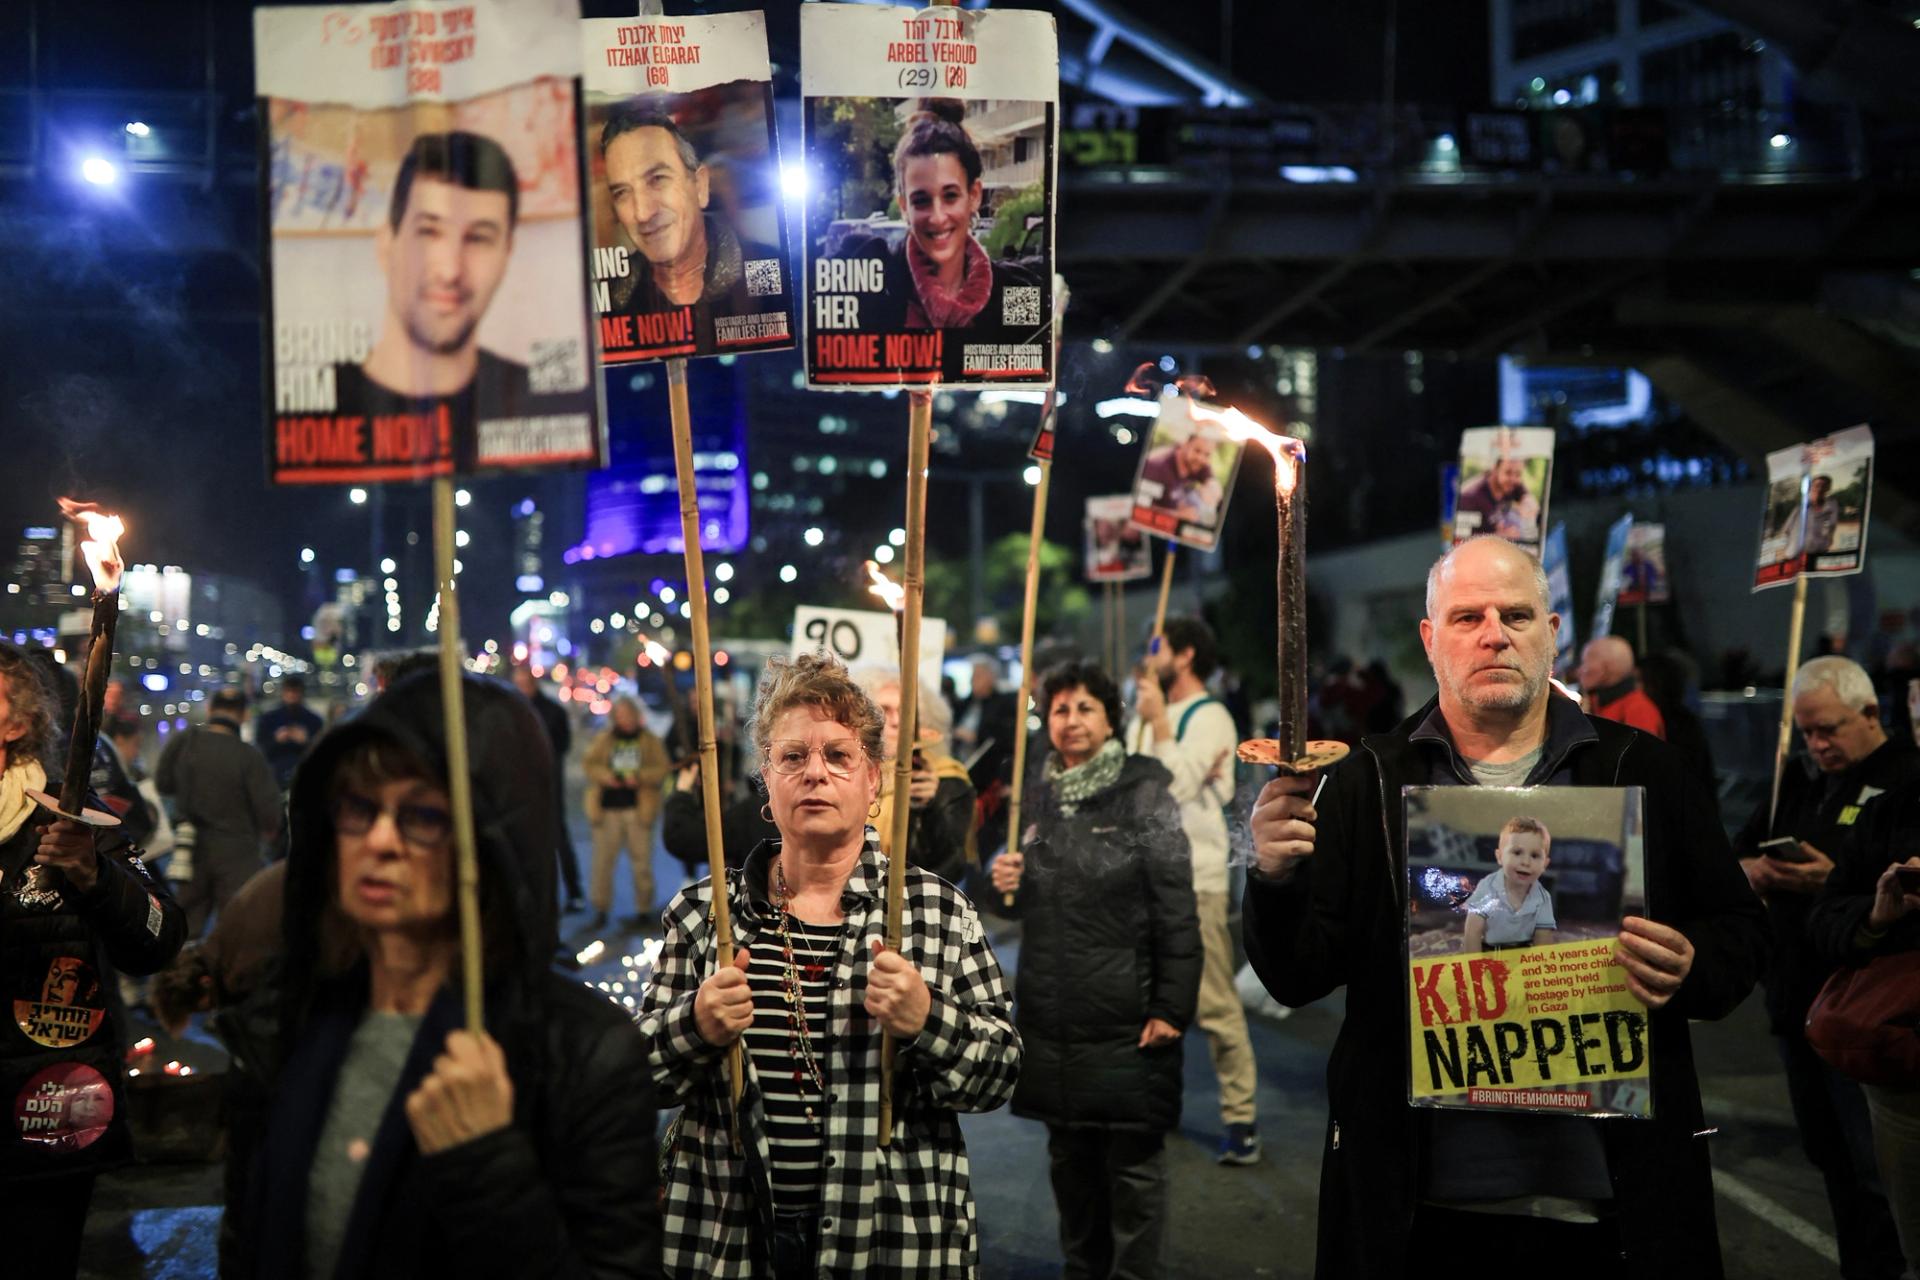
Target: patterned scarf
column 15, row 805
column 934, row 306
column 1075, row 786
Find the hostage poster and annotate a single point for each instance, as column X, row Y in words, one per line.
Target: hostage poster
column 1818, row 500
column 1553, row 558
column 689, row 245
column 1613, row 571
column 1117, row 549
column 426, row 292
column 1186, row 473
column 1515, row 1000
column 1643, row 578
column 1505, row 473
column 929, row 138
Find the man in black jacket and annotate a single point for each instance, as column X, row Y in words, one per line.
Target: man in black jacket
column 61, row 1072
column 1824, row 794
column 1325, row 908
column 553, row 718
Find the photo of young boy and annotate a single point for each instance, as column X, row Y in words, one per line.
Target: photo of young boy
column 1511, row 907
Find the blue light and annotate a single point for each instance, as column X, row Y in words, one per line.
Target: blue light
column 530, row 583
column 525, row 508
column 154, row 682
column 344, row 575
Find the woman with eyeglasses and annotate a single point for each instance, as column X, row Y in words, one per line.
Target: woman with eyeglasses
column 1109, row 975
column 807, row 1190
column 396, row 1142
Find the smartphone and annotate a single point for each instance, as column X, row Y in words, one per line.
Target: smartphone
column 1907, row 878
column 1785, row 849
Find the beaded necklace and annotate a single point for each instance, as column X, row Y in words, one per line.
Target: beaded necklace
column 790, row 992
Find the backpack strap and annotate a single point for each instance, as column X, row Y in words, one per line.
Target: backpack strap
column 1181, row 730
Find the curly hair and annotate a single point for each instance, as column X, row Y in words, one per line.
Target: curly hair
column 1069, row 676
column 815, row 680
column 30, row 705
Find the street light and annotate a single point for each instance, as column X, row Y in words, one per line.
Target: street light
column 357, row 496
column 306, row 555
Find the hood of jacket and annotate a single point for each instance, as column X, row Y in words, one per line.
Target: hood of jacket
column 513, row 814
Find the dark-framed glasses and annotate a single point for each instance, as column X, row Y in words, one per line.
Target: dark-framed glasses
column 842, row 756
column 426, row 825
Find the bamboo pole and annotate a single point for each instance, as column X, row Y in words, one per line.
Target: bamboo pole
column 1034, row 542
column 1786, row 694
column 1106, row 623
column 920, row 424
column 695, row 557
column 459, row 776
column 1166, row 589
column 1119, row 627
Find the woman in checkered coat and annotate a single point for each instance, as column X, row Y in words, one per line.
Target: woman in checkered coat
column 807, row 1190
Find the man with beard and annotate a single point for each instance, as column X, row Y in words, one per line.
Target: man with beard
column 1182, row 476
column 660, row 191
column 1500, row 503
column 1324, row 909
column 443, row 251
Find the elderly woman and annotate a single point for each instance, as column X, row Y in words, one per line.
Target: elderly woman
column 1107, row 881
column 940, row 826
column 807, row 1191
column 396, row 1143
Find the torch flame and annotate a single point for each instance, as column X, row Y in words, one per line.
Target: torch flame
column 886, row 588
column 102, row 546
column 1288, row 453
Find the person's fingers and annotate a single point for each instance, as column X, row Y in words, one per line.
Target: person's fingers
column 1146, row 1036
column 1664, row 934
column 1652, row 953
column 1287, row 784
column 1652, row 976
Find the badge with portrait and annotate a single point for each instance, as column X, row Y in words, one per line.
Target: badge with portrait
column 68, row 1106
column 929, row 137
column 1515, row 998
column 1117, row 549
column 1185, row 477
column 689, row 245
column 1819, row 496
column 1505, row 473
column 426, row 290
column 67, row 1006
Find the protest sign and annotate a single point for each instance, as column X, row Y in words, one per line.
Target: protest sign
column 1117, row 550
column 1553, row 558
column 929, row 138
column 689, row 245
column 1185, row 477
column 1819, row 497
column 426, row 288
column 1505, row 473
column 864, row 637
column 1643, row 578
column 1515, row 1000
column 1612, row 569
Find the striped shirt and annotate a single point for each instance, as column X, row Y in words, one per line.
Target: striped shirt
column 794, row 1106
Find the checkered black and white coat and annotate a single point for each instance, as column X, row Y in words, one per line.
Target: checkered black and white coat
column 906, row 1210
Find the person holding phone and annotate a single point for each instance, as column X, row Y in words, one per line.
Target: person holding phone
column 1827, row 793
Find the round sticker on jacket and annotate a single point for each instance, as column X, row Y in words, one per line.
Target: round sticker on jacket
column 69, row 1008
column 67, row 1107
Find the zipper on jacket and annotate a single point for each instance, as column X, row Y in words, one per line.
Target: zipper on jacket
column 1336, row 1135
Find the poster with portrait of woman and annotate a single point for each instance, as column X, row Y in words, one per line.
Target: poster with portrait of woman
column 930, row 138
column 683, row 190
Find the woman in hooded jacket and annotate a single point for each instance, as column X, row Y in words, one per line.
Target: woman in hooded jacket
column 1109, row 975
column 396, row 1142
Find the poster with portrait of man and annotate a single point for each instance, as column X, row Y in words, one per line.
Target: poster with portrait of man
column 689, row 241
column 1643, row 576
column 1819, row 496
column 1515, row 902
column 1186, row 474
column 1505, row 473
column 929, row 137
column 1117, row 549
column 426, row 290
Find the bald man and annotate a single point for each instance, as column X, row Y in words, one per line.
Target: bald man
column 1609, row 689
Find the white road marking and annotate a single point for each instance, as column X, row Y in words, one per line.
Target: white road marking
column 1776, row 1216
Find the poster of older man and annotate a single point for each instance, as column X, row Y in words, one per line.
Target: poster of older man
column 689, row 246
column 1504, row 476
column 1186, row 475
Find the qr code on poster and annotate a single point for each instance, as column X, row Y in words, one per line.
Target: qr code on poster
column 556, row 367
column 1021, row 305
column 763, row 277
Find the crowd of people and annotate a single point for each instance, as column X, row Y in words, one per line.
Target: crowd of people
column 371, row 1131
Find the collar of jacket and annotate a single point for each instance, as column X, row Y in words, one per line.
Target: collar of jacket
column 1607, row 695
column 749, row 883
column 1567, row 729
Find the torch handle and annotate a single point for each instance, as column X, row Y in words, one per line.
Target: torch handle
column 459, row 778
column 1018, row 789
column 74, row 782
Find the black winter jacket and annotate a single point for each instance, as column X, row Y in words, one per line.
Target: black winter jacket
column 1339, row 920
column 569, row 1188
column 1889, row 833
column 55, row 965
column 1110, row 939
